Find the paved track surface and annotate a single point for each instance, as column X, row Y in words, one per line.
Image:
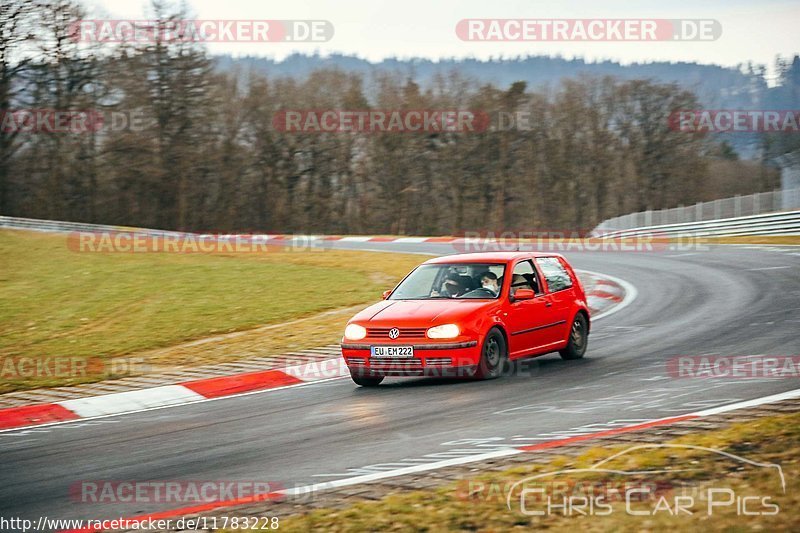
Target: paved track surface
column 727, row 301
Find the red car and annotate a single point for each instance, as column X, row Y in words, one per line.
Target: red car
column 469, row 314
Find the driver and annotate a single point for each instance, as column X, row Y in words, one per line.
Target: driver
column 489, row 282
column 452, row 287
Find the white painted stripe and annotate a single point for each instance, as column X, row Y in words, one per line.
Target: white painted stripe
column 410, row 240
column 789, row 395
column 769, row 268
column 123, row 402
column 354, row 239
column 400, row 472
column 317, row 370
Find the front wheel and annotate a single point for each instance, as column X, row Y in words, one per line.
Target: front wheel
column 493, row 355
column 366, row 381
column 578, row 339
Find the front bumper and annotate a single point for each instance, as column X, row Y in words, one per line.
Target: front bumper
column 442, row 359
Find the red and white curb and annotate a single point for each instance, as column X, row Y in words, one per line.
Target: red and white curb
column 607, row 295
column 508, row 242
column 170, row 395
column 495, row 454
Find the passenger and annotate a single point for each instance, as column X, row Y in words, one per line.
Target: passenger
column 489, row 282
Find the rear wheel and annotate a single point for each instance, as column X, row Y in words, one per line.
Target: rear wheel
column 366, row 381
column 493, row 355
column 578, row 338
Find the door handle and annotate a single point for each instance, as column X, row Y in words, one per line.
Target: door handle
column 548, row 304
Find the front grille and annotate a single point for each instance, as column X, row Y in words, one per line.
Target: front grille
column 405, row 333
column 438, row 361
column 356, row 360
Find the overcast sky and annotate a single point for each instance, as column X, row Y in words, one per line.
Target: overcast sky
column 752, row 30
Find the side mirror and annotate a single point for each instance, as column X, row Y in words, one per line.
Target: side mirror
column 387, row 293
column 524, row 294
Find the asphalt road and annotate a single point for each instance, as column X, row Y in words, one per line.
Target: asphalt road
column 726, row 301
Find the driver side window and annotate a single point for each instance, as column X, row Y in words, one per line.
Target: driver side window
column 524, row 277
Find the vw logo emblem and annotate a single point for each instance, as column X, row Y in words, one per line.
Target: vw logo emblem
column 394, row 333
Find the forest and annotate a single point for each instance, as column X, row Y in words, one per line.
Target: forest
column 181, row 143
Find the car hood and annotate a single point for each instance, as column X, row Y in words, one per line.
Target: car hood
column 419, row 312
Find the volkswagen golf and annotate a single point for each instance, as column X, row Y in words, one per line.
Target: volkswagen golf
column 469, row 315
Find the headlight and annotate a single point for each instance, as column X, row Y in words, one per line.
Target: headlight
column 445, row 331
column 354, row 332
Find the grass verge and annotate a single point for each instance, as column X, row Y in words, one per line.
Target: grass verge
column 59, row 303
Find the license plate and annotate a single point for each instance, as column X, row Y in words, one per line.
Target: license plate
column 398, row 352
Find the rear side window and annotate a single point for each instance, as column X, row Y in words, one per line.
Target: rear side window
column 554, row 272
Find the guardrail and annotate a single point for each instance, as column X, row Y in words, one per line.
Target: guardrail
column 784, row 223
column 734, row 207
column 35, row 224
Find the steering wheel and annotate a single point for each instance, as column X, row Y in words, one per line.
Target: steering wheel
column 483, row 290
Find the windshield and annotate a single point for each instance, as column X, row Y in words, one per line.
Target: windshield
column 456, row 280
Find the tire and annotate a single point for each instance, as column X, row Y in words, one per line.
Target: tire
column 494, row 356
column 578, row 339
column 366, row 381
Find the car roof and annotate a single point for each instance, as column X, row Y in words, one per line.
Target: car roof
column 488, row 257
